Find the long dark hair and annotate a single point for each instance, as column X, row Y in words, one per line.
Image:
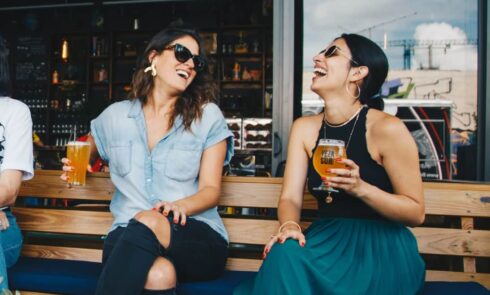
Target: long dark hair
column 201, row 91
column 5, row 87
column 367, row 53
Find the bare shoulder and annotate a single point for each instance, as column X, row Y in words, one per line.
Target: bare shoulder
column 385, row 126
column 306, row 127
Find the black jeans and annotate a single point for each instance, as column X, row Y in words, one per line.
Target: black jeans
column 197, row 252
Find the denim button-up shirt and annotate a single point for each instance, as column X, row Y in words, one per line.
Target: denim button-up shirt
column 169, row 172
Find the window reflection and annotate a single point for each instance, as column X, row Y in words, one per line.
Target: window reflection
column 432, row 84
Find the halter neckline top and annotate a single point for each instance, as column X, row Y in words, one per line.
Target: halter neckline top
column 343, row 204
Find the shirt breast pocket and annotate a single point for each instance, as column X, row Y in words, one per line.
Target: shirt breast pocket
column 183, row 163
column 120, row 157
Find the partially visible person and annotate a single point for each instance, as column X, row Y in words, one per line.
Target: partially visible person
column 360, row 243
column 16, row 164
column 166, row 148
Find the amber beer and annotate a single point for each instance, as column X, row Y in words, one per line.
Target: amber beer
column 326, row 153
column 78, row 152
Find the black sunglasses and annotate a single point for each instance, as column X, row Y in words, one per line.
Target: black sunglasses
column 183, row 54
column 332, row 50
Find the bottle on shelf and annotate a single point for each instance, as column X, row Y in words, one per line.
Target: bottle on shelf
column 236, row 72
column 55, row 77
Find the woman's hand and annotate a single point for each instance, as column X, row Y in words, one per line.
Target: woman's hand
column 4, row 222
column 288, row 232
column 179, row 212
column 68, row 168
column 348, row 179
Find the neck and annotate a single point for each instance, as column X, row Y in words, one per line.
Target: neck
column 340, row 111
column 160, row 102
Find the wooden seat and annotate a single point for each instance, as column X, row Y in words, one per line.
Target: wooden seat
column 68, row 232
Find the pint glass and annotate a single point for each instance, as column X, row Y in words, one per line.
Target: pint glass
column 324, row 159
column 78, row 152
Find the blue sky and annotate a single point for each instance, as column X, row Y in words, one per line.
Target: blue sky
column 398, row 19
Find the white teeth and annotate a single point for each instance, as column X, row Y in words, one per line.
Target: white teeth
column 183, row 74
column 319, row 71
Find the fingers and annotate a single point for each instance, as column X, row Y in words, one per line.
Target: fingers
column 282, row 237
column 4, row 220
column 179, row 214
column 349, row 163
column 65, row 161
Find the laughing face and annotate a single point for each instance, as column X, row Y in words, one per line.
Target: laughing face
column 331, row 68
column 173, row 75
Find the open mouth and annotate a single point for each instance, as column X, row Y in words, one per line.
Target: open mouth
column 319, row 72
column 183, row 74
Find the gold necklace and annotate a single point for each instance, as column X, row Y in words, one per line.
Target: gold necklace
column 356, row 116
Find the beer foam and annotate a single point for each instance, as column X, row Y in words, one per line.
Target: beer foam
column 331, row 142
column 78, row 143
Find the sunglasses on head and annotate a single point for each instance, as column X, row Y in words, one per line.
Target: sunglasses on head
column 183, row 54
column 332, row 50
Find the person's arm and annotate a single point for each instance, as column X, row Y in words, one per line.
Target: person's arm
column 291, row 199
column 293, row 186
column 209, row 190
column 399, row 156
column 10, row 181
column 17, row 164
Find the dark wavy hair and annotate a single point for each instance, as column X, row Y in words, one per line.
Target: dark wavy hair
column 367, row 53
column 5, row 87
column 201, row 91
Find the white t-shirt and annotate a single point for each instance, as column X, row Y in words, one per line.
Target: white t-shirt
column 16, row 137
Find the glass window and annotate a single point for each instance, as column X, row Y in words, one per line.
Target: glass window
column 432, row 83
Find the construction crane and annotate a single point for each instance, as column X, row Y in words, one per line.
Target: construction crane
column 409, row 45
column 368, row 29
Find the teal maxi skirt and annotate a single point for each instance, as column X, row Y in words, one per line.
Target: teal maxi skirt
column 342, row 256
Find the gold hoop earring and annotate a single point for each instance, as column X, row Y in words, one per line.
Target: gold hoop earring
column 152, row 68
column 358, row 91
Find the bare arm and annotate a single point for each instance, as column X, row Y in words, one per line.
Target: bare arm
column 209, row 191
column 209, row 181
column 291, row 199
column 10, row 181
column 400, row 159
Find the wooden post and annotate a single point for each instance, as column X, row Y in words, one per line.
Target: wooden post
column 469, row 263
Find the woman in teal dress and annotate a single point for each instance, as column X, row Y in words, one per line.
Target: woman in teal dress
column 359, row 244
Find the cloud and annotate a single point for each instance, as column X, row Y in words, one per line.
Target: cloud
column 326, row 19
column 445, row 56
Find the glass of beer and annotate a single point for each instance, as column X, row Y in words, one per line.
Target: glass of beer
column 78, row 152
column 324, row 159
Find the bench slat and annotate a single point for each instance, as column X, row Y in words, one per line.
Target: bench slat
column 51, row 186
column 63, row 221
column 66, row 253
column 448, row 241
column 263, row 192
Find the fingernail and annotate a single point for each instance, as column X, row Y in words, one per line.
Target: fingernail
column 176, row 221
column 302, row 244
column 281, row 241
column 263, row 256
column 323, row 177
column 338, row 159
column 326, row 183
column 267, row 251
column 329, row 170
column 182, row 223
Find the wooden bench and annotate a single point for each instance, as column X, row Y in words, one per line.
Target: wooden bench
column 74, row 232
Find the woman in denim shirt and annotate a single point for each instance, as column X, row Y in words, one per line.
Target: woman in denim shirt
column 166, row 148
